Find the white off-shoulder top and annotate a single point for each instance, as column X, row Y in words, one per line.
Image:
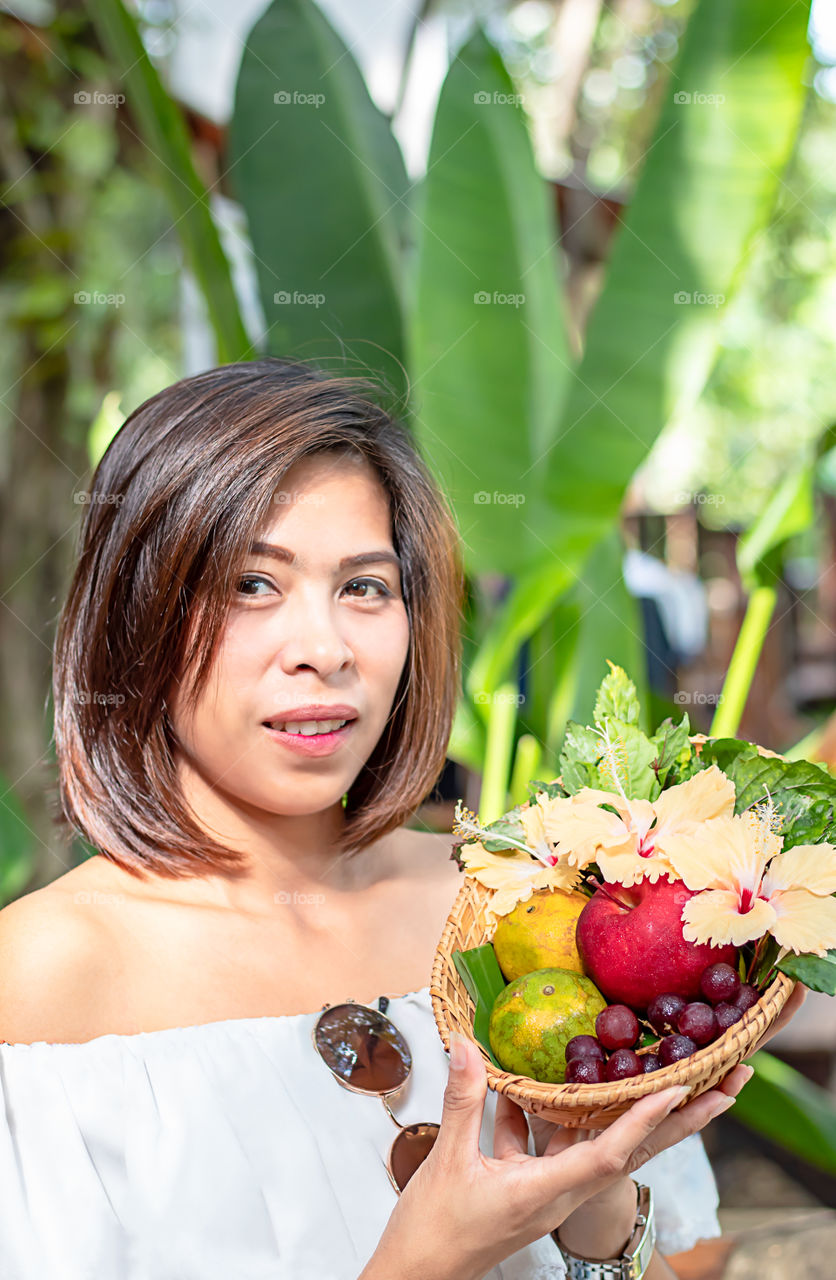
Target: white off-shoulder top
column 228, row 1151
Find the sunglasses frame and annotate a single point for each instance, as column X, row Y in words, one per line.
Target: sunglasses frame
column 411, row 1130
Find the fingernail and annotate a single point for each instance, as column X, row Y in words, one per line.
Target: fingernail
column 458, row 1053
column 720, row 1107
column 750, row 1071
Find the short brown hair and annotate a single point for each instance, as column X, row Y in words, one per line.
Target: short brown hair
column 176, row 500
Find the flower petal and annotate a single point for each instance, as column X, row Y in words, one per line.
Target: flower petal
column 714, row 917
column 514, row 876
column 627, row 867
column 804, row 922
column 709, row 794
column 706, row 854
column 580, row 828
column 807, row 866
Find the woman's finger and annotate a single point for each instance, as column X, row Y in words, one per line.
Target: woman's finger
column 586, row 1167
column 510, row 1130
column 691, row 1118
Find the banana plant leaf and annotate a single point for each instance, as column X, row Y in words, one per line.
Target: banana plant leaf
column 17, row 844
column 487, row 341
column 780, row 1104
column 479, row 970
column 163, row 129
column 707, row 188
column 323, row 183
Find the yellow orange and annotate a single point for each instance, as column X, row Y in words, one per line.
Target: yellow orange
column 540, row 933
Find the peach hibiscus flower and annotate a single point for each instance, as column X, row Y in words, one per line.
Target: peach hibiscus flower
column 747, row 887
column 632, row 840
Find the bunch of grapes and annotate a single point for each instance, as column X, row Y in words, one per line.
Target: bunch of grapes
column 684, row 1026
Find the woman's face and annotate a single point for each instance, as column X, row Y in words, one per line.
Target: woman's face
column 313, row 632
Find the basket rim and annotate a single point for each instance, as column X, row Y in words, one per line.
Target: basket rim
column 636, row 1087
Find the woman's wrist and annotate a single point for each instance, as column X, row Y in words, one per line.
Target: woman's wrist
column 602, row 1226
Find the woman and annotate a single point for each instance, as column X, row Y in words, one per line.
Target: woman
column 255, row 676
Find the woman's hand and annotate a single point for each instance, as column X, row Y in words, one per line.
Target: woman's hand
column 463, row 1212
column 594, row 1229
column 602, row 1225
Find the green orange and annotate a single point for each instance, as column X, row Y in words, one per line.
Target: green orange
column 535, row 1017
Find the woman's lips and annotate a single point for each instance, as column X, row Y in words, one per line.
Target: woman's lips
column 317, row 744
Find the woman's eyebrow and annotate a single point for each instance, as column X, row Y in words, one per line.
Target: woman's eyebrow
column 362, row 557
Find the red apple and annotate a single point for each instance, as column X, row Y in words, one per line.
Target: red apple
column 632, row 948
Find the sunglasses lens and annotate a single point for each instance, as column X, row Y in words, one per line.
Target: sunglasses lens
column 363, row 1048
column 412, row 1146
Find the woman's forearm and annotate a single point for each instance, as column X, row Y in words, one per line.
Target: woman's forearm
column 602, row 1227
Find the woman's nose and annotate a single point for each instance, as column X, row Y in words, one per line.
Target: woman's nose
column 312, row 638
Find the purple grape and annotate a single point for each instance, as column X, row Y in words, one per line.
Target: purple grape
column 585, row 1071
column 697, row 1021
column 663, row 1011
column 584, row 1047
column 617, row 1027
column 727, row 1015
column 675, row 1048
column 651, row 1062
column 623, row 1064
column 746, row 996
column 720, row 983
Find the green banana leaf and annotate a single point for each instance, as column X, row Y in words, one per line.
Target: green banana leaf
column 611, row 628
column 779, row 1103
column 17, row 844
column 487, row 342
column 789, row 512
column 163, row 129
column 322, row 181
column 707, row 188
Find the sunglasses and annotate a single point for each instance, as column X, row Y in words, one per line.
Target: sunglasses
column 366, row 1053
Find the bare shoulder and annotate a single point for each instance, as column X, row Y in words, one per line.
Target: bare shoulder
column 428, row 856
column 53, row 958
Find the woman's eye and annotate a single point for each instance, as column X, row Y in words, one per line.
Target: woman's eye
column 242, row 585
column 365, row 583
column 360, row 588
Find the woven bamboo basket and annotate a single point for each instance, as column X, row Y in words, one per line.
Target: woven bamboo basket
column 582, row 1106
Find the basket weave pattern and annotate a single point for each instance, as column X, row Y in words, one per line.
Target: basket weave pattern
column 580, row 1106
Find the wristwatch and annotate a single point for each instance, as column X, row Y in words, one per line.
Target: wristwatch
column 633, row 1262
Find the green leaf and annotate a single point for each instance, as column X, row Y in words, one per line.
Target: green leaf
column 804, row 793
column 672, row 745
column 779, row 1103
column 323, row 183
column 789, row 512
column 617, row 698
column 633, row 760
column 479, row 970
column 552, row 789
column 17, row 844
column 488, row 348
column 532, row 598
column 610, row 632
column 163, row 129
column 816, row 972
column 582, row 750
column 706, row 191
column 508, row 826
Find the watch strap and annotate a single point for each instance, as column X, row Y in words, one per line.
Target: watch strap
column 633, row 1262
